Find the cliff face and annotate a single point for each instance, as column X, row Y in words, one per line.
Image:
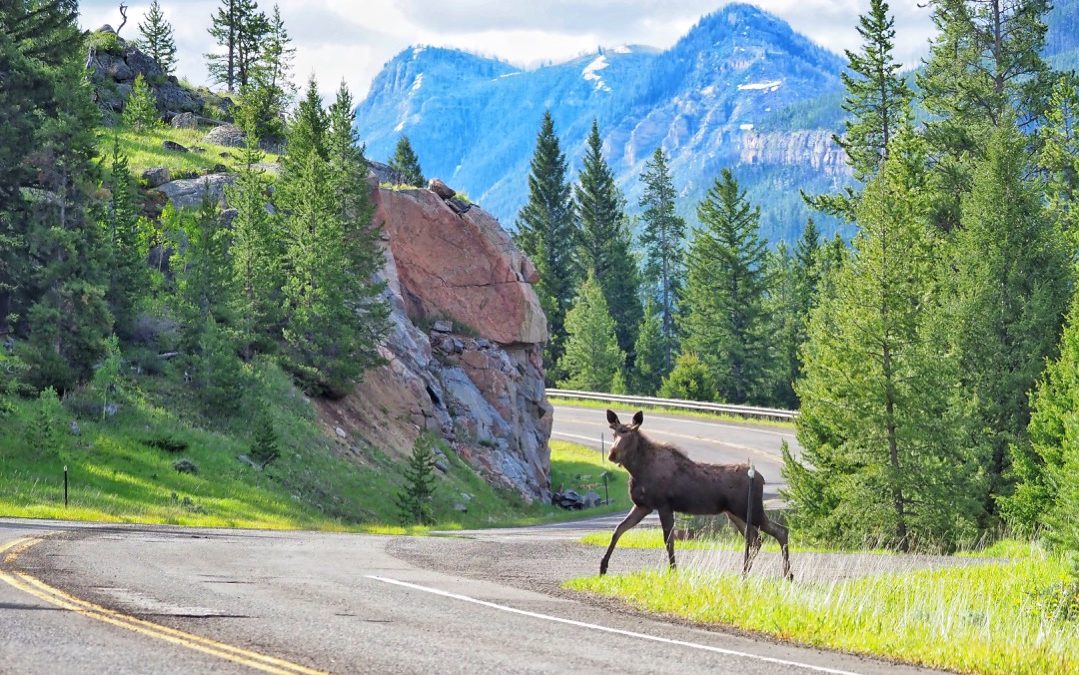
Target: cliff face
column 464, row 357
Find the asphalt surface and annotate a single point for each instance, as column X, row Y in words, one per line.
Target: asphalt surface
column 91, row 598
column 702, row 440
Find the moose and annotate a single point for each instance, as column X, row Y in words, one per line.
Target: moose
column 664, row 479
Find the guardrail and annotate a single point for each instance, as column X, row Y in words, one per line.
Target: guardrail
column 741, row 410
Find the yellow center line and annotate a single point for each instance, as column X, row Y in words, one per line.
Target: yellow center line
column 54, row 596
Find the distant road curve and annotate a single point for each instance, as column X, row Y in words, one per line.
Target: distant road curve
column 703, row 440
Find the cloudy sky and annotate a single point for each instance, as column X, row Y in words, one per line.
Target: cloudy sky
column 350, row 40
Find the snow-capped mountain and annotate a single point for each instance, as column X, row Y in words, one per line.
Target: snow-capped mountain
column 741, row 89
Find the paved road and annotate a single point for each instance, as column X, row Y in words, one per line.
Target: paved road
column 92, row 598
column 702, row 440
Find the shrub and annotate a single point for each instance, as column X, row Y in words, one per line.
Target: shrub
column 44, row 434
column 106, row 42
column 264, row 448
column 690, row 380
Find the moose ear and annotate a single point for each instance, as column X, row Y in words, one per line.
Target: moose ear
column 638, row 418
column 612, row 418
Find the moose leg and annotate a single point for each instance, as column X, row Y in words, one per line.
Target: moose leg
column 666, row 519
column 635, row 516
column 753, row 547
column 780, row 533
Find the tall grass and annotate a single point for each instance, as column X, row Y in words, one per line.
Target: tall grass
column 1000, row 617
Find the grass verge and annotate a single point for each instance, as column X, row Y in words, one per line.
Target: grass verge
column 1009, row 617
column 118, row 474
column 677, row 412
column 652, row 537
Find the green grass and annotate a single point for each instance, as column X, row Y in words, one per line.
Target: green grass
column 728, row 540
column 144, row 151
column 992, row 618
column 117, row 476
column 678, row 412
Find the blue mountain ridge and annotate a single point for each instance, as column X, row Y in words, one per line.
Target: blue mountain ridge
column 741, row 89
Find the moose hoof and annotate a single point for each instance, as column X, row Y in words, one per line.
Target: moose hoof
column 602, row 568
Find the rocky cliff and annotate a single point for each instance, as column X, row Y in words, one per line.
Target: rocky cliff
column 464, row 358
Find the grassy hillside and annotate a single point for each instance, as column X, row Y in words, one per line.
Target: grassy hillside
column 145, row 150
column 119, row 472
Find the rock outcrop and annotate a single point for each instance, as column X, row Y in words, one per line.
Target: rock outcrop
column 464, row 358
column 113, row 71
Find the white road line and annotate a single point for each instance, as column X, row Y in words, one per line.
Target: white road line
column 577, row 436
column 606, row 629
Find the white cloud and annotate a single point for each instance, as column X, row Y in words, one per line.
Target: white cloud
column 351, row 40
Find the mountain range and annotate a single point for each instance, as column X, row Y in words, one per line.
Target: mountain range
column 741, row 89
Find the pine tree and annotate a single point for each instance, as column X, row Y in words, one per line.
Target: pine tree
column 690, row 380
column 604, row 241
column 650, row 366
column 335, row 315
column 592, row 357
column 415, row 499
column 881, row 424
column 62, row 257
column 1059, row 156
column 140, row 109
column 662, row 239
column 1010, row 290
column 219, row 377
column 256, row 254
column 204, row 278
column 269, row 90
column 158, row 38
column 240, row 29
column 783, row 306
column 984, row 68
column 407, row 165
column 726, row 320
column 127, row 269
column 877, row 96
column 264, row 444
column 544, row 225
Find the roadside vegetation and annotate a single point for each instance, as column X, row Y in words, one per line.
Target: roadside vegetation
column 1006, row 617
column 679, row 412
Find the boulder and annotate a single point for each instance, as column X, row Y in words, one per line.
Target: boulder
column 174, row 98
column 143, row 64
column 441, row 189
column 185, row 120
column 190, row 192
column 185, row 466
column 462, row 267
column 173, row 146
column 156, row 176
column 228, row 135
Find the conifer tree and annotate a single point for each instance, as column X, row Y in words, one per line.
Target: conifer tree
column 881, row 422
column 62, row 257
column 239, row 28
column 415, row 499
column 158, row 38
column 690, row 380
column 256, row 254
column 127, row 269
column 726, row 321
column 1010, row 291
column 204, row 278
column 335, row 315
column 650, row 366
column 592, row 357
column 140, row 109
column 877, row 96
column 784, row 307
column 264, row 445
column 1059, row 157
column 984, row 67
column 269, row 90
column 662, row 239
column 604, row 241
column 1043, row 497
column 218, row 375
column 544, row 226
column 406, row 164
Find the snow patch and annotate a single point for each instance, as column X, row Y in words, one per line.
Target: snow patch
column 622, row 49
column 416, row 51
column 400, row 126
column 502, row 77
column 746, row 127
column 417, row 83
column 709, row 90
column 771, row 85
column 589, row 72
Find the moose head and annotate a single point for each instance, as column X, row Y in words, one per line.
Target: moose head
column 626, row 437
